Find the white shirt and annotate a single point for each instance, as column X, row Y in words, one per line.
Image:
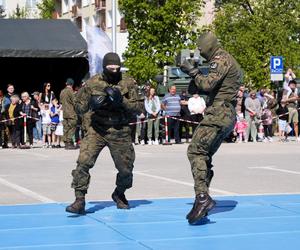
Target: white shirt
column 46, row 119
column 196, row 105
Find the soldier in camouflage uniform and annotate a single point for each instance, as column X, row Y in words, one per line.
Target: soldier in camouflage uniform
column 67, row 100
column 112, row 100
column 221, row 85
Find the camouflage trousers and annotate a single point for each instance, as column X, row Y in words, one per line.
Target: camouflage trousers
column 121, row 150
column 216, row 125
column 69, row 129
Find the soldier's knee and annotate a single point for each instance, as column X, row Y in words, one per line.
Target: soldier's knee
column 81, row 179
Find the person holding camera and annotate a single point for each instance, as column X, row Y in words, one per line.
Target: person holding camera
column 113, row 99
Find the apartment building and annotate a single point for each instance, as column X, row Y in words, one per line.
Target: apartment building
column 93, row 13
column 10, row 6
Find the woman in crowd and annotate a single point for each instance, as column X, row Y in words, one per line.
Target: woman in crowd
column 47, row 95
column 30, row 109
column 13, row 111
column 1, row 117
column 152, row 106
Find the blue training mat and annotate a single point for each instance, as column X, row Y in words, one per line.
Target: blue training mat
column 236, row 223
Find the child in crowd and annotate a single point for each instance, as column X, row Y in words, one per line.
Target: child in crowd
column 59, row 128
column 46, row 124
column 283, row 117
column 267, row 122
column 54, row 114
column 240, row 128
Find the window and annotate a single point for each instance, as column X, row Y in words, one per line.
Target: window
column 65, row 6
column 2, row 3
column 30, row 4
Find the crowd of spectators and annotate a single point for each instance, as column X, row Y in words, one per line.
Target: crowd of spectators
column 260, row 115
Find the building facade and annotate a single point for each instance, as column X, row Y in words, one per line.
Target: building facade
column 97, row 13
column 28, row 6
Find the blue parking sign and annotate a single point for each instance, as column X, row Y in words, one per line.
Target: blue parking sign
column 276, row 64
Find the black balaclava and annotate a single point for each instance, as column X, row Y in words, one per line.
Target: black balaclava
column 208, row 44
column 112, row 77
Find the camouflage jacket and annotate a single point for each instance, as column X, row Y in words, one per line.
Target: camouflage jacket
column 67, row 99
column 223, row 80
column 132, row 104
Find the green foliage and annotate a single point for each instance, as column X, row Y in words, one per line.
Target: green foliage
column 19, row 13
column 253, row 31
column 157, row 30
column 46, row 8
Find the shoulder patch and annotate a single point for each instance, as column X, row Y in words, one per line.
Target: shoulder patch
column 213, row 65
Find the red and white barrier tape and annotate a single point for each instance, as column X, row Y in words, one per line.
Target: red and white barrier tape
column 19, row 117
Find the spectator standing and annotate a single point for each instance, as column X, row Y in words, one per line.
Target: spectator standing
column 267, row 116
column 2, row 110
column 240, row 101
column 152, row 106
column 54, row 114
column 37, row 130
column 30, row 109
column 252, row 113
column 67, row 99
column 47, row 95
column 185, row 115
column 13, row 111
column 292, row 98
column 9, row 94
column 6, row 102
column 171, row 104
column 283, row 117
column 289, row 76
column 196, row 106
column 46, row 125
column 240, row 128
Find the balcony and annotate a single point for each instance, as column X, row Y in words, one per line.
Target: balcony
column 100, row 4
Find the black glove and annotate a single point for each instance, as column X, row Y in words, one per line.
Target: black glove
column 188, row 68
column 97, row 102
column 114, row 96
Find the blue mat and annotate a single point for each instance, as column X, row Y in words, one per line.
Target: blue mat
column 236, row 223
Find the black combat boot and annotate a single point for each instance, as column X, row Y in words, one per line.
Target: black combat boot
column 210, row 175
column 203, row 204
column 120, row 199
column 77, row 207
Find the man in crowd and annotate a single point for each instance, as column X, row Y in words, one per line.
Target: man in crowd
column 292, row 98
column 253, row 110
column 6, row 102
column 112, row 100
column 67, row 99
column 171, row 103
column 222, row 84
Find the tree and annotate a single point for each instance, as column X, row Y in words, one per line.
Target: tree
column 2, row 12
column 46, row 8
column 19, row 13
column 253, row 31
column 157, row 30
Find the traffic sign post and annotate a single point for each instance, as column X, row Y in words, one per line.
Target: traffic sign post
column 276, row 66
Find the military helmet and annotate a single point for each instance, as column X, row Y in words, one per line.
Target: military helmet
column 207, row 43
